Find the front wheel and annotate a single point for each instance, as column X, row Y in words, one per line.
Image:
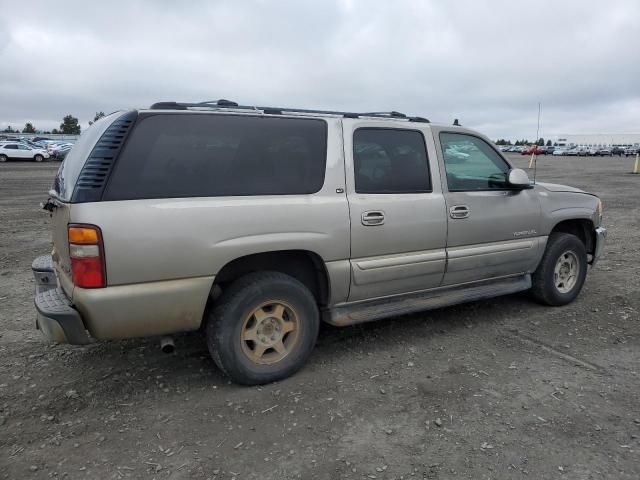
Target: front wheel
column 3, row 158
column 562, row 270
column 263, row 328
column 38, row 158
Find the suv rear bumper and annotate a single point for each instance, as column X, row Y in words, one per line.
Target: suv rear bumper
column 56, row 317
column 119, row 311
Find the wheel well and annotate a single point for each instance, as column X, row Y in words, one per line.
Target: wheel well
column 305, row 266
column 581, row 228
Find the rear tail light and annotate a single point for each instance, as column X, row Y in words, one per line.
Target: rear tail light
column 87, row 256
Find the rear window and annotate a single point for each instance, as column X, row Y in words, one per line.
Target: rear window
column 204, row 155
column 390, row 161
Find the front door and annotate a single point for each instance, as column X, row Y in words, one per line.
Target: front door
column 23, row 152
column 398, row 221
column 493, row 230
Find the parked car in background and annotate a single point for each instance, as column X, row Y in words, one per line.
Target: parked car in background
column 20, row 151
column 631, row 150
column 583, row 151
column 44, row 143
column 572, row 151
column 30, row 143
column 456, row 155
column 534, row 150
column 60, row 145
column 559, row 151
column 60, row 152
column 617, row 151
column 548, row 150
column 52, row 145
column 603, row 152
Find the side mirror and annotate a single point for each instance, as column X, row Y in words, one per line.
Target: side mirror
column 518, row 178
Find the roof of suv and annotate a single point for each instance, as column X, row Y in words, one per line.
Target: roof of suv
column 227, row 106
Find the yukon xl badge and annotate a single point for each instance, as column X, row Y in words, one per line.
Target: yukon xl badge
column 524, row 233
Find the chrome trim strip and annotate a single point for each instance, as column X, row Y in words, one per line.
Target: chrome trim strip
column 491, row 248
column 400, row 260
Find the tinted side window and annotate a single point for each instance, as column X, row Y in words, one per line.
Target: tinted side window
column 472, row 164
column 202, row 155
column 390, row 161
column 11, row 147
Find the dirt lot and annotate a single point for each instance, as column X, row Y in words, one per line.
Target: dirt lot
column 496, row 389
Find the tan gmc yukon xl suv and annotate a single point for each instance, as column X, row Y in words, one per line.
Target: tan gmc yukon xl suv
column 252, row 224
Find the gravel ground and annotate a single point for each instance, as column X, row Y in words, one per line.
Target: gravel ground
column 503, row 388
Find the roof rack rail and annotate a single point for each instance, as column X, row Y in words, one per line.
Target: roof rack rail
column 228, row 104
column 220, row 103
column 393, row 114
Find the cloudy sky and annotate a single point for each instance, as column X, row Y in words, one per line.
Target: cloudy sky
column 488, row 62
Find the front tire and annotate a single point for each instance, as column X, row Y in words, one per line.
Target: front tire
column 562, row 271
column 38, row 158
column 263, row 328
column 3, row 158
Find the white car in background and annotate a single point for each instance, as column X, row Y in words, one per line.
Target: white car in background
column 20, row 151
column 559, row 151
column 454, row 154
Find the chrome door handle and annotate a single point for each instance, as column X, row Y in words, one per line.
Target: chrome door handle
column 459, row 211
column 372, row 218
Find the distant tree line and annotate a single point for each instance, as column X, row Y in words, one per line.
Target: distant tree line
column 524, row 141
column 70, row 126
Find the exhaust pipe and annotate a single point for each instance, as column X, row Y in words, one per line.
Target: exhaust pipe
column 167, row 345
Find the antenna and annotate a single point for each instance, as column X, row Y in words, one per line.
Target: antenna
column 534, row 157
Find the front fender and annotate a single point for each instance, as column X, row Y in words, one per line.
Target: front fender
column 561, row 206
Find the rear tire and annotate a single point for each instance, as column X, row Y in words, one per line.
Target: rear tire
column 38, row 158
column 263, row 328
column 562, row 271
column 3, row 158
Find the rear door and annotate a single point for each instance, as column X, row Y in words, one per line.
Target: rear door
column 11, row 150
column 493, row 230
column 398, row 222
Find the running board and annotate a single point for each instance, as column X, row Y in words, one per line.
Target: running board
column 350, row 314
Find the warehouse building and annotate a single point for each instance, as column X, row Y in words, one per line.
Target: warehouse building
column 596, row 140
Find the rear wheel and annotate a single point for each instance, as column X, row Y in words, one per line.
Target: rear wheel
column 263, row 328
column 38, row 158
column 562, row 270
column 3, row 158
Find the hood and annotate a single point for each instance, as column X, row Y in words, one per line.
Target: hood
column 554, row 187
